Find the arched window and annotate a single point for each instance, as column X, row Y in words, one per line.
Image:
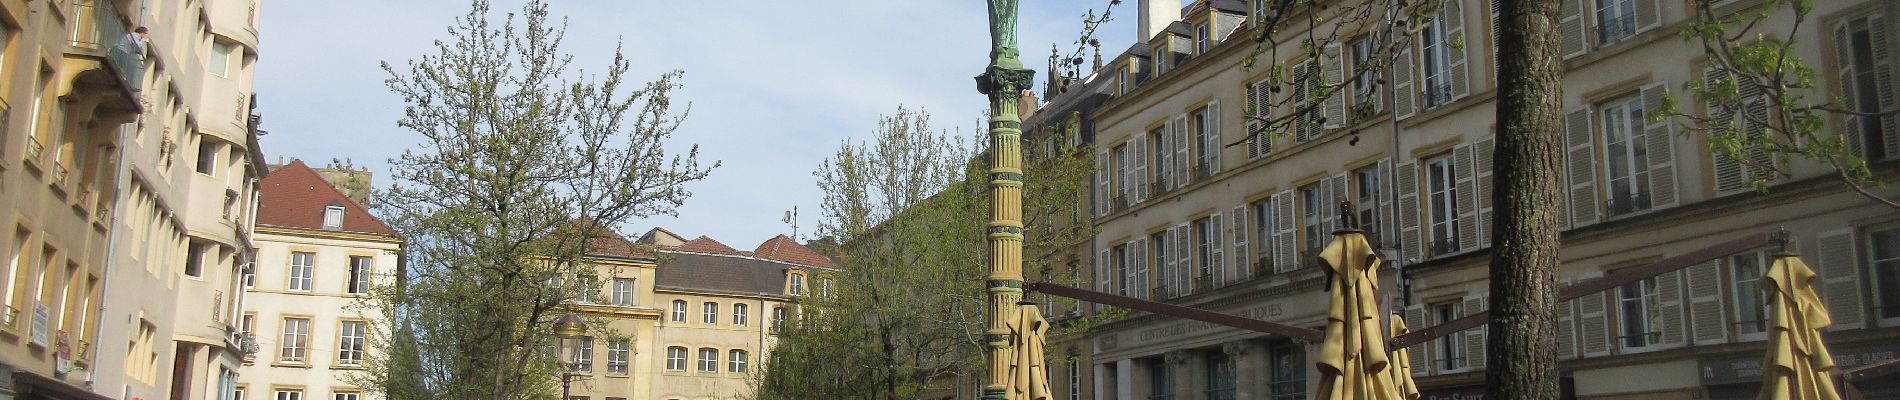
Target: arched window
column 736, row 361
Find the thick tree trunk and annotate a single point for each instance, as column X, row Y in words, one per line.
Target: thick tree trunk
column 1522, row 358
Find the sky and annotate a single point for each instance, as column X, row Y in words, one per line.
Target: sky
column 775, row 86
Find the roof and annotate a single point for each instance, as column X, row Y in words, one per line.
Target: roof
column 703, row 244
column 721, row 273
column 295, row 196
column 662, row 237
column 783, row 248
column 604, row 241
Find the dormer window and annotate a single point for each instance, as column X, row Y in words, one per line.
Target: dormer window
column 1203, row 38
column 798, row 284
column 333, row 218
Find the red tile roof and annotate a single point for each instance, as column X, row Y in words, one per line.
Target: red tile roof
column 783, row 248
column 703, row 244
column 604, row 241
column 295, row 196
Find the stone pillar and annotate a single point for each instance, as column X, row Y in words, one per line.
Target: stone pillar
column 1250, row 368
column 1188, row 372
column 1004, row 82
column 1104, row 383
column 1124, row 378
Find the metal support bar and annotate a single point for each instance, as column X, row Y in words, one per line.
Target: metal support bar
column 1310, row 335
column 1568, row 293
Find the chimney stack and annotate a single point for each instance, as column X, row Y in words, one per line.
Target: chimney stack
column 1155, row 17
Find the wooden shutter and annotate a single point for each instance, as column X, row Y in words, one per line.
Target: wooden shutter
column 1729, row 175
column 1419, row 357
column 1184, row 259
column 1567, row 329
column 1404, row 102
column 1242, row 258
column 1455, row 33
column 1388, row 229
column 1594, row 324
column 1661, row 140
column 1287, row 255
column 1139, row 155
column 1182, row 174
column 1125, row 167
column 1140, row 289
column 1218, row 141
column 1104, row 273
column 1216, row 269
column 1165, row 277
column 1341, row 191
column 1304, row 127
column 1165, row 149
column 1883, row 81
column 1497, row 34
column 1103, row 175
column 1648, row 15
column 1409, row 240
column 1840, row 278
column 1844, row 58
column 1333, row 67
column 1250, row 118
column 1708, row 320
column 1669, row 293
column 1465, row 171
column 1483, row 151
column 1474, row 338
column 1570, row 24
column 1581, row 165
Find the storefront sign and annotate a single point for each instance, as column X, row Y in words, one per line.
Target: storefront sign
column 42, row 317
column 1747, row 368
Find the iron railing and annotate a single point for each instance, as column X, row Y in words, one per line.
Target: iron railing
column 96, row 25
column 11, row 318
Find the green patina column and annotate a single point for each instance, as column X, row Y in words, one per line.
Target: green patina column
column 1003, row 82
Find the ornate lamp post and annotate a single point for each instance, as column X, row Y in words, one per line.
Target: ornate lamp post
column 571, row 329
column 1004, row 82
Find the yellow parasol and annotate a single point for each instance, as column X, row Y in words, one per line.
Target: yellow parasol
column 1400, row 373
column 1353, row 363
column 1028, row 376
column 1797, row 364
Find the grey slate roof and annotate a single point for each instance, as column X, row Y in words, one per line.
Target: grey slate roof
column 721, row 274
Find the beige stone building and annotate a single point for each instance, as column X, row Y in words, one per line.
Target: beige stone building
column 319, row 254
column 1185, row 218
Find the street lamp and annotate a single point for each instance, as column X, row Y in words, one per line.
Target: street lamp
column 572, row 330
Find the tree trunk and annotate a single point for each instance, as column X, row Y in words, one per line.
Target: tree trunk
column 1522, row 358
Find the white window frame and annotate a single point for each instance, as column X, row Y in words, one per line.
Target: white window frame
column 1204, row 146
column 676, row 358
column 1204, row 238
column 1645, row 296
column 619, row 354
column 1609, row 12
column 709, row 313
column 737, row 360
column 1367, row 187
column 1435, row 62
column 1622, row 121
column 1878, row 269
column 1312, row 211
column 584, row 354
column 1441, row 202
column 708, row 359
column 302, row 276
column 1755, row 264
column 679, row 311
column 360, row 270
column 798, row 284
column 739, row 311
column 345, row 395
column 623, row 292
column 332, row 217
column 352, row 344
column 288, row 394
column 294, row 348
column 1448, row 352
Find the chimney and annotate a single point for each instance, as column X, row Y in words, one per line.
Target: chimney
column 1027, row 104
column 1155, row 17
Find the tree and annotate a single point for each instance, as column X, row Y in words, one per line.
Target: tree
column 906, row 313
column 1757, row 114
column 522, row 169
column 1521, row 356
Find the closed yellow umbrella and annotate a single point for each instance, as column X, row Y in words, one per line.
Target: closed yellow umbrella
column 1028, row 373
column 1400, row 373
column 1353, row 360
column 1797, row 364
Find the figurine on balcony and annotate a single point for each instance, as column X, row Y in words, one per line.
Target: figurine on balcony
column 134, row 42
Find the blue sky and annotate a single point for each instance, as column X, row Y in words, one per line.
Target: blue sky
column 775, row 86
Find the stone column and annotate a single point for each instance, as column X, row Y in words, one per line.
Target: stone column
column 1103, row 383
column 1004, row 82
column 1250, row 368
column 1188, row 372
column 1124, row 378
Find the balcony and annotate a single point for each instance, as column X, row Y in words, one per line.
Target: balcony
column 11, row 318
column 1160, row 292
column 34, row 149
column 1628, row 203
column 1200, row 173
column 1445, row 245
column 1204, row 282
column 97, row 28
column 82, row 352
column 1159, row 187
column 243, row 343
column 1436, row 94
column 1118, row 203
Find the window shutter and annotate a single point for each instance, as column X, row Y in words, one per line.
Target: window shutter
column 1105, row 275
column 1497, row 32
column 1184, row 261
column 1757, row 139
column 1570, row 23
column 1455, row 33
column 1249, row 117
column 1165, row 278
column 1217, row 270
column 1125, row 166
column 1242, row 258
column 1181, row 155
column 1404, row 104
column 1483, row 151
column 1304, row 128
column 1729, row 177
column 1669, row 291
column 1840, row 278
column 1138, row 288
column 1595, row 324
column 1260, row 143
column 1661, row 140
column 1415, row 316
column 1708, row 320
column 1388, row 230
column 1648, row 15
column 1844, row 57
column 1139, row 155
column 1580, row 155
column 1339, row 192
column 1883, row 81
column 1567, row 330
column 1219, row 140
column 1467, row 197
column 1287, row 255
column 1407, row 181
column 1102, row 174
column 1474, row 338
column 1165, row 149
column 1333, row 68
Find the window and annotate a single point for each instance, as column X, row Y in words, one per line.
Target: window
column 18, row 259
column 708, row 359
column 1203, row 39
column 711, row 313
column 679, row 310
column 207, row 155
column 1205, row 239
column 676, row 358
column 778, row 319
column 195, row 260
column 1312, row 211
column 351, row 343
column 1616, row 21
column 220, row 62
column 1263, row 234
column 738, row 314
column 1127, row 79
column 1365, row 183
column 1158, row 161
column 1434, row 57
column 248, row 324
column 359, row 274
column 824, row 286
column 1884, row 246
column 1122, row 268
column 1449, row 351
column 1162, row 379
column 1442, row 201
column 798, row 284
column 1365, row 101
column 289, row 394
column 618, row 353
column 1075, row 380
column 296, row 340
column 584, row 354
column 736, row 361
column 302, row 266
column 346, row 396
column 238, row 393
column 1160, row 261
column 1204, row 142
column 1289, row 371
column 1751, row 307
column 1220, row 377
column 1861, row 86
column 1626, row 156
column 623, row 292
column 1641, row 311
column 1124, row 181
column 333, row 218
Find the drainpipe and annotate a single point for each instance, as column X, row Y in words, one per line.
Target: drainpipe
column 1391, row 183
